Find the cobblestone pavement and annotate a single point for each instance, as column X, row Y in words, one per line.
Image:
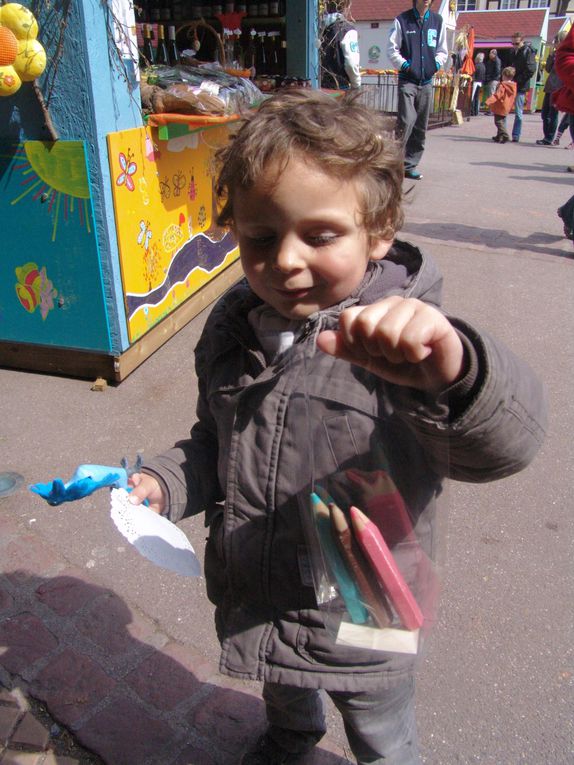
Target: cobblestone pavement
column 30, row 736
column 109, row 675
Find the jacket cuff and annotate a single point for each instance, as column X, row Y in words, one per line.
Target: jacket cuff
column 452, row 402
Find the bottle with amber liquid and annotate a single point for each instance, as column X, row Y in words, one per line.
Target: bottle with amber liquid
column 148, row 53
column 161, row 55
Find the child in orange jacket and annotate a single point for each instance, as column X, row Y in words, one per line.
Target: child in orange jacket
column 501, row 103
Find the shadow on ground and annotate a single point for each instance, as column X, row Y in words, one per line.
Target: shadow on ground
column 495, row 238
column 75, row 647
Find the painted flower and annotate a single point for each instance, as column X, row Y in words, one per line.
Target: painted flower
column 22, row 58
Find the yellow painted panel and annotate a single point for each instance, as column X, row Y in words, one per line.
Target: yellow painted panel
column 169, row 243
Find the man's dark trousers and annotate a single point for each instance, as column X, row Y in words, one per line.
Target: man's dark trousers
column 414, row 107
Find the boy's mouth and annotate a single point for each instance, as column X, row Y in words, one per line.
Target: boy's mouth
column 294, row 294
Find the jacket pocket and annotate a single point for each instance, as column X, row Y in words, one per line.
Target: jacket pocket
column 214, row 561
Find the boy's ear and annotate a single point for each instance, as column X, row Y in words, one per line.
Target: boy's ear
column 379, row 248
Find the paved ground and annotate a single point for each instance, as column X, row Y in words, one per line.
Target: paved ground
column 123, row 655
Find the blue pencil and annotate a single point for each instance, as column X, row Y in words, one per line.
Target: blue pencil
column 346, row 584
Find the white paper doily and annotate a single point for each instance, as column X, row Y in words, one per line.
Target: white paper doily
column 153, row 536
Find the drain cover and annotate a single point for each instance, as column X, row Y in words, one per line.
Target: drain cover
column 9, row 483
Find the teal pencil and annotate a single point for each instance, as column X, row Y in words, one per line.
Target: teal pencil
column 346, row 585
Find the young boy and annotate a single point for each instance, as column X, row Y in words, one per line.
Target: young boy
column 501, row 103
column 312, row 188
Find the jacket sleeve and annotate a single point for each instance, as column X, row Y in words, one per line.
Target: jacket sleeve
column 525, row 75
column 484, row 428
column 441, row 54
column 351, row 56
column 564, row 60
column 394, row 46
column 188, row 471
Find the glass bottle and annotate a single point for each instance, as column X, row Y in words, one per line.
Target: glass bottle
column 161, row 56
column 172, row 51
column 148, row 52
column 263, row 8
column 253, row 8
column 261, row 54
column 251, row 52
column 272, row 55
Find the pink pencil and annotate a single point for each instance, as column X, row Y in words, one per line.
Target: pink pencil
column 381, row 559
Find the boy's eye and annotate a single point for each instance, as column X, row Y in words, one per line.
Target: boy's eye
column 262, row 241
column 320, row 240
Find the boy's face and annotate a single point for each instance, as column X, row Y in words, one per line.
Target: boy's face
column 422, row 6
column 302, row 244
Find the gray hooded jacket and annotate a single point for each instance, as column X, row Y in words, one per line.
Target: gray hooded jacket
column 265, row 429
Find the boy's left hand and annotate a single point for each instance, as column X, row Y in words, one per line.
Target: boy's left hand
column 403, row 340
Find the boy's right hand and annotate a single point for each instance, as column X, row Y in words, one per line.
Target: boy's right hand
column 146, row 487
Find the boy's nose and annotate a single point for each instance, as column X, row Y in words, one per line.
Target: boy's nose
column 288, row 258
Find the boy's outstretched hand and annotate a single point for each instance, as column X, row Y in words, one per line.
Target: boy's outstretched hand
column 402, row 340
column 146, row 487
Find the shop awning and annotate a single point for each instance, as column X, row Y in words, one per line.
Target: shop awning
column 492, row 44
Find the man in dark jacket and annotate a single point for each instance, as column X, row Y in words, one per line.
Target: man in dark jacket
column 493, row 68
column 523, row 59
column 417, row 48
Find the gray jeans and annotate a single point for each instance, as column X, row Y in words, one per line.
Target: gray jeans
column 414, row 107
column 380, row 727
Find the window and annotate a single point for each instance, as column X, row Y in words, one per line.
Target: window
column 465, row 5
column 508, row 5
column 539, row 3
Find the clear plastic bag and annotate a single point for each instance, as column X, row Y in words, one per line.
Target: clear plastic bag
column 371, row 524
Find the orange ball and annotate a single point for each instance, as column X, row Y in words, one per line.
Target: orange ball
column 8, row 46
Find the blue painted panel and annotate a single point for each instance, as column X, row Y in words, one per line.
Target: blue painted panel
column 51, row 290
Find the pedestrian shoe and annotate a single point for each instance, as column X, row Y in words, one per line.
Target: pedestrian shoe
column 516, row 140
column 496, row 139
column 413, row 174
column 503, row 139
column 544, row 142
column 268, row 752
column 570, row 145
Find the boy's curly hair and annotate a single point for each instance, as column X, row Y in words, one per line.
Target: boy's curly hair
column 343, row 138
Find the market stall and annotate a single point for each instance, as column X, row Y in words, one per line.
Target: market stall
column 110, row 240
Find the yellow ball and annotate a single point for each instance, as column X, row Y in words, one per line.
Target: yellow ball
column 20, row 20
column 31, row 60
column 9, row 81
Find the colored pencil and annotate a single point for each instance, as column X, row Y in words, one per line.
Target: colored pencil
column 373, row 596
column 345, row 583
column 387, row 572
